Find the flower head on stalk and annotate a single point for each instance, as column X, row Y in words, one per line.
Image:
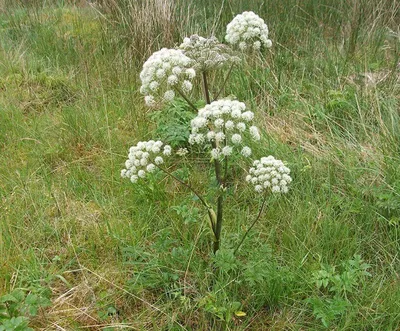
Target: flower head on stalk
column 248, row 31
column 269, row 173
column 163, row 73
column 225, row 123
column 208, row 53
column 144, row 158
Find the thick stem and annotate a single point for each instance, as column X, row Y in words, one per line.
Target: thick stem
column 218, row 175
column 186, row 99
column 218, row 227
column 205, row 88
column 251, row 226
column 224, row 83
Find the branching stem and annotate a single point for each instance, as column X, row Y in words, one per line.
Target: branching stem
column 251, row 226
column 210, row 211
column 186, row 99
column 225, row 81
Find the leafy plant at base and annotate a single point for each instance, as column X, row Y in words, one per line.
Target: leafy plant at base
column 18, row 306
column 336, row 288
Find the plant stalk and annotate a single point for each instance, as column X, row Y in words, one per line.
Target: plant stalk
column 251, row 226
column 224, row 83
column 205, row 87
column 186, row 99
column 210, row 211
column 218, row 175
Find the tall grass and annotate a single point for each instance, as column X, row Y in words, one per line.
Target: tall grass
column 327, row 98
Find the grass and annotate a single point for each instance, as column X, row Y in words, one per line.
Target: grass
column 119, row 256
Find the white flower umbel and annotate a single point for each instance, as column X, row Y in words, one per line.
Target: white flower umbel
column 144, row 158
column 165, row 71
column 248, row 31
column 222, row 123
column 271, row 174
column 207, row 53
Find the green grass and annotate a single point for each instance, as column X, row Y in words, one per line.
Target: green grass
column 327, row 98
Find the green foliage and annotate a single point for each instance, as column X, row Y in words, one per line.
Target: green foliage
column 335, row 302
column 223, row 312
column 173, row 123
column 19, row 305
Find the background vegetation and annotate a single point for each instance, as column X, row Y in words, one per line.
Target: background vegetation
column 81, row 248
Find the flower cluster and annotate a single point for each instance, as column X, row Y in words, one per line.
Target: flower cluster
column 269, row 173
column 248, row 30
column 223, row 123
column 166, row 71
column 208, row 53
column 144, row 158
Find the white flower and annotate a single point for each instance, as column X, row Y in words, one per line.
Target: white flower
column 176, row 71
column 165, row 68
column 215, row 153
column 229, row 125
column 172, row 80
column 246, row 151
column 169, row 95
column 140, row 159
column 199, row 138
column 208, row 53
column 248, row 116
column 160, row 73
column 210, row 135
column 254, row 133
column 236, row 139
column 272, row 173
column 154, row 86
column 186, row 86
column 219, row 136
column 167, row 150
column 242, row 45
column 258, row 188
column 182, row 151
column 219, row 123
column 227, row 150
column 143, row 162
column 191, row 73
column 257, row 45
column 241, row 126
column 248, row 30
column 151, row 167
column 150, row 101
column 158, row 160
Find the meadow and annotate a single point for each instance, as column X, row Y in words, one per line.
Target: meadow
column 81, row 248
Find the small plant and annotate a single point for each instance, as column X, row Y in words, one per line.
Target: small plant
column 335, row 288
column 19, row 305
column 223, row 128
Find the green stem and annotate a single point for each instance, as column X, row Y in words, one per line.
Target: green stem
column 224, row 83
column 210, row 211
column 218, row 227
column 251, row 226
column 205, row 87
column 218, row 175
column 186, row 99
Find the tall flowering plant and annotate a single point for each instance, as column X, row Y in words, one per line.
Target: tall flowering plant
column 223, row 127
